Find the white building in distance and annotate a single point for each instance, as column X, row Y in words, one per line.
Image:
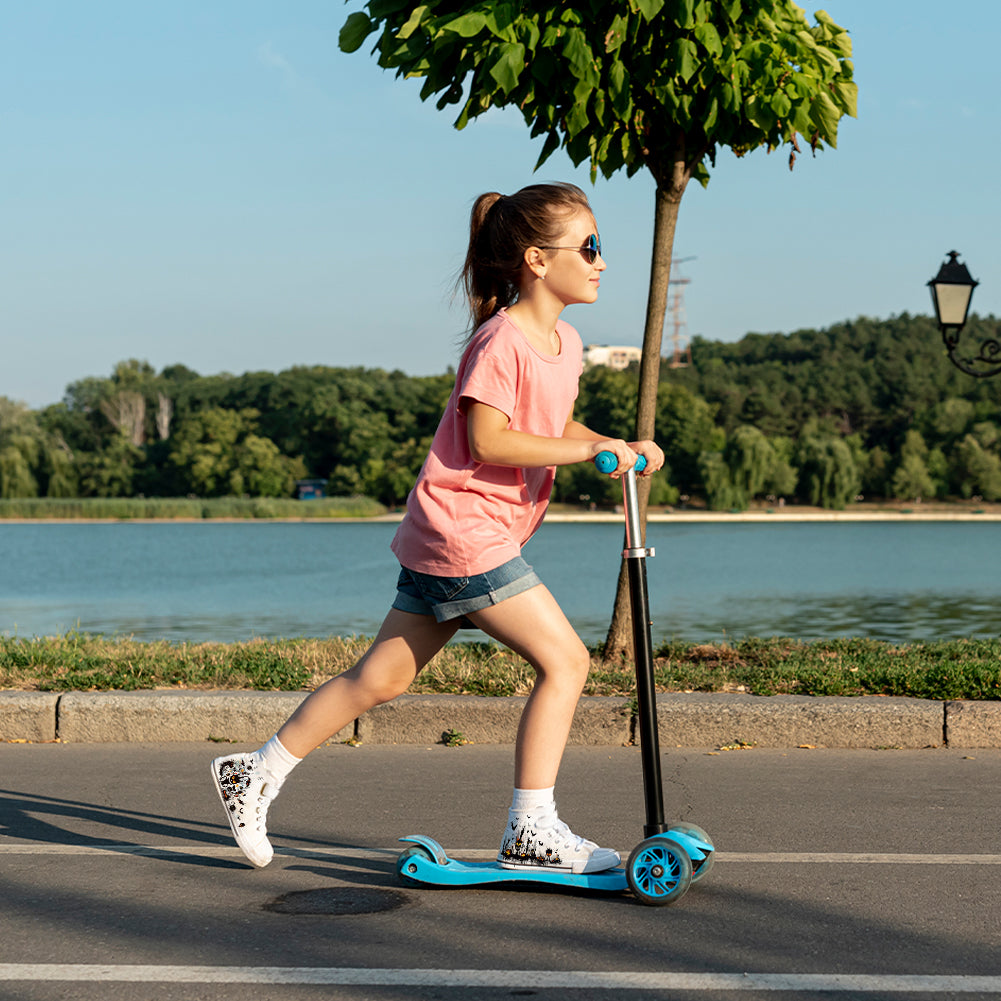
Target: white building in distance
column 611, row 356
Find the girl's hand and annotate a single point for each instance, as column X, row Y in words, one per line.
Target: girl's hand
column 624, row 455
column 650, row 451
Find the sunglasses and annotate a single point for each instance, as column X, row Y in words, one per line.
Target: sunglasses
column 590, row 251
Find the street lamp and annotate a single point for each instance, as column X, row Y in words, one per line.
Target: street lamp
column 951, row 292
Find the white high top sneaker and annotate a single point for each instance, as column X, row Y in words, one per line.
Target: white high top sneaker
column 246, row 792
column 533, row 841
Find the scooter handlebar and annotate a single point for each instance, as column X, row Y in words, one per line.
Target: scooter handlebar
column 606, row 462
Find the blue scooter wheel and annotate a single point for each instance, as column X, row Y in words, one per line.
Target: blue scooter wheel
column 659, row 872
column 700, row 868
column 405, row 865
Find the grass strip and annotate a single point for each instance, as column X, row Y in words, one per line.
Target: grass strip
column 186, row 508
column 957, row 669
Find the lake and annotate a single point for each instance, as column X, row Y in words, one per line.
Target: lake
column 895, row 581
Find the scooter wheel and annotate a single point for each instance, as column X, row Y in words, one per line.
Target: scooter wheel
column 701, row 867
column 659, row 872
column 406, row 865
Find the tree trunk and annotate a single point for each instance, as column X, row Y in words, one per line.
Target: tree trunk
column 668, row 199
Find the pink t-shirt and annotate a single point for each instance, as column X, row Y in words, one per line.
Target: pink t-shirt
column 466, row 517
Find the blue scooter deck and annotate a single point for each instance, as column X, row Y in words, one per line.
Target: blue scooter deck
column 444, row 871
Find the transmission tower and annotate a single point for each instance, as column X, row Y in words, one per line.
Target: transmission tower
column 682, row 350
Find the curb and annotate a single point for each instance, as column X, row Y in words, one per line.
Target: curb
column 685, row 720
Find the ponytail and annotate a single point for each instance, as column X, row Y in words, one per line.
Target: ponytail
column 501, row 229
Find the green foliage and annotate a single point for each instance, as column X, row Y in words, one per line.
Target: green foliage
column 828, row 475
column 686, row 428
column 960, row 669
column 33, row 460
column 957, row 669
column 216, row 452
column 912, row 480
column 749, row 458
column 627, row 84
column 111, row 471
column 814, row 416
column 720, row 492
column 866, row 383
column 976, row 471
column 747, row 467
column 188, row 508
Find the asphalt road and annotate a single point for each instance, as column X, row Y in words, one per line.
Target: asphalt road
column 839, row 874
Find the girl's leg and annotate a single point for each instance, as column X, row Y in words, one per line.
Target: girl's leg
column 247, row 783
column 533, row 625
column 404, row 645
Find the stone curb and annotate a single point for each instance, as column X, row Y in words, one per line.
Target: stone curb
column 685, row 720
column 28, row 715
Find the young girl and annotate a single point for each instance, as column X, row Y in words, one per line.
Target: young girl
column 480, row 496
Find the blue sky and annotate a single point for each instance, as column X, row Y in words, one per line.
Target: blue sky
column 218, row 185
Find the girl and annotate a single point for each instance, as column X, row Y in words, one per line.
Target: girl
column 480, row 496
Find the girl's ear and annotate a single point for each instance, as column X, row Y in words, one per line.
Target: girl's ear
column 535, row 261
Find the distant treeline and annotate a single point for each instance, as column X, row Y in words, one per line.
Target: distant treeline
column 867, row 408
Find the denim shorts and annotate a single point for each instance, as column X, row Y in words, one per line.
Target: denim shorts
column 449, row 598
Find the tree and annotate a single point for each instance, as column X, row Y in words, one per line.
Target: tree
column 686, row 430
column 721, row 495
column 976, row 471
column 60, row 470
column 217, row 453
column 912, row 479
column 628, row 84
column 110, row 472
column 750, row 458
column 828, row 475
column 262, row 471
column 746, row 466
column 782, row 477
column 20, row 450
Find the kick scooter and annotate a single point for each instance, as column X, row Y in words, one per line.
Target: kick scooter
column 671, row 857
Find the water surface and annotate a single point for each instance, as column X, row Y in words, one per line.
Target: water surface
column 894, row 581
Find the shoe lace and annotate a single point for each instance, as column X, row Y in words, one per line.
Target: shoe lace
column 262, row 801
column 560, row 832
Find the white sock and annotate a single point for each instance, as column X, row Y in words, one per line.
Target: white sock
column 532, row 803
column 277, row 760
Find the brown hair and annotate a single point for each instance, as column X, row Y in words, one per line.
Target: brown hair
column 501, row 229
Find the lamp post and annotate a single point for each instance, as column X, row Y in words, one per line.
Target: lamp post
column 951, row 292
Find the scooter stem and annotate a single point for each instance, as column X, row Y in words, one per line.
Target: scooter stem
column 635, row 555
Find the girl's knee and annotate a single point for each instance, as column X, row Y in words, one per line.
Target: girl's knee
column 387, row 690
column 572, row 668
column 375, row 686
column 582, row 661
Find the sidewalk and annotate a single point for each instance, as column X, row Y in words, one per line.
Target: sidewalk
column 686, row 720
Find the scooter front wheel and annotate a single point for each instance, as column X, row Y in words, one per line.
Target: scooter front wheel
column 659, row 872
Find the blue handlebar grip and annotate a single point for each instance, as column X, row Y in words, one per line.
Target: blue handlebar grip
column 607, row 463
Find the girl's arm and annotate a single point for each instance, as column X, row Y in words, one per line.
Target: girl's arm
column 493, row 442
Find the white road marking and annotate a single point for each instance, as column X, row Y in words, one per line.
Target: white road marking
column 372, row 854
column 538, row 979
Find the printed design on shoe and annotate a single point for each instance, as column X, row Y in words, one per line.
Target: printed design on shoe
column 524, row 847
column 235, row 776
